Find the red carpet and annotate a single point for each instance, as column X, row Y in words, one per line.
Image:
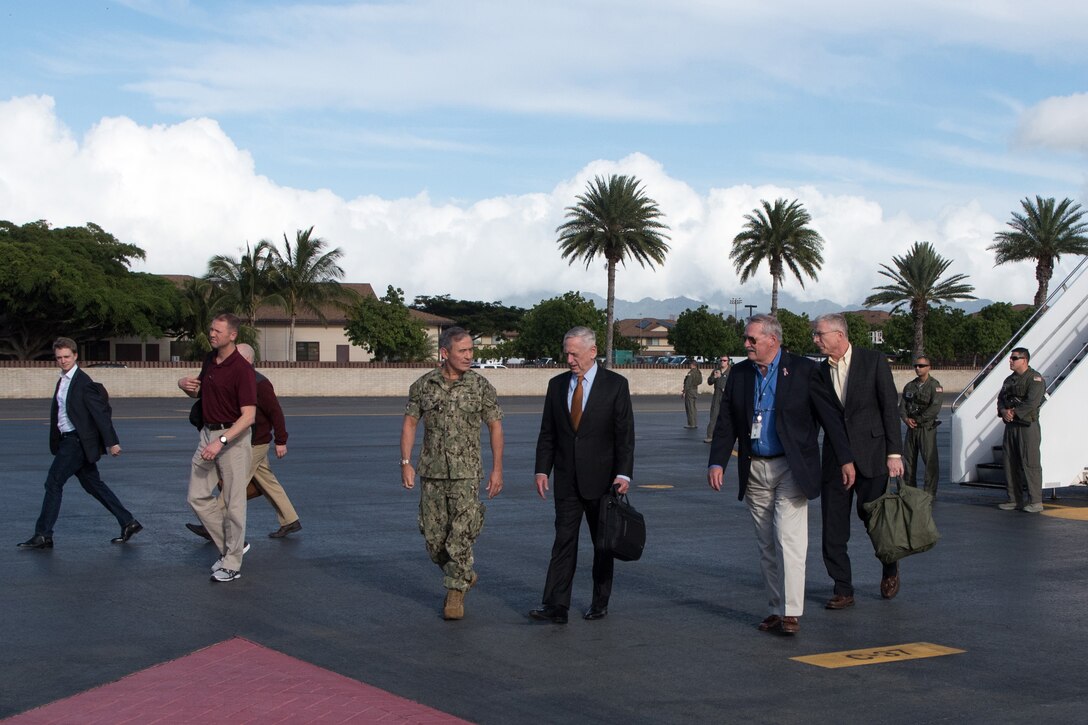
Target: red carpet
column 235, row 681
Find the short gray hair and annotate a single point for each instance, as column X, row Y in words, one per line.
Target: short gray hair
column 770, row 324
column 451, row 335
column 834, row 320
column 583, row 332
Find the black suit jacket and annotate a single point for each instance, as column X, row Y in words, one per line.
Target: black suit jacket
column 587, row 462
column 802, row 405
column 87, row 410
column 871, row 414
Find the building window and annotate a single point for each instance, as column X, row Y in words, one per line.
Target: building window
column 307, row 352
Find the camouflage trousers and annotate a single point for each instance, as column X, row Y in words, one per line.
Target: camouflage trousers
column 451, row 516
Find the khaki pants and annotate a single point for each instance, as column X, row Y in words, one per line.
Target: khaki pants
column 269, row 485
column 779, row 511
column 224, row 516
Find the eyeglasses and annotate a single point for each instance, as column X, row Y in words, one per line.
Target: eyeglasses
column 817, row 333
column 921, row 365
column 749, row 338
column 1017, row 357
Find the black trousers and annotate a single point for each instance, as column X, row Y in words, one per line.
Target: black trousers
column 835, row 505
column 568, row 523
column 71, row 461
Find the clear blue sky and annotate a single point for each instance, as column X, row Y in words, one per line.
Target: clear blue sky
column 415, row 133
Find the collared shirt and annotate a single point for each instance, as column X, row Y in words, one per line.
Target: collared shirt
column 768, row 443
column 226, row 387
column 587, row 384
column 64, row 424
column 840, row 372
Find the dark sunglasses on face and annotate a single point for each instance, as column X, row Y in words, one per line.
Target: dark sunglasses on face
column 921, row 365
column 1016, row 357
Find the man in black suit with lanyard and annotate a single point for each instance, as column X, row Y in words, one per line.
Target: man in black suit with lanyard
column 587, row 439
column 80, row 431
column 773, row 406
column 861, row 381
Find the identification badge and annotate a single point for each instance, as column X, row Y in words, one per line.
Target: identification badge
column 757, row 427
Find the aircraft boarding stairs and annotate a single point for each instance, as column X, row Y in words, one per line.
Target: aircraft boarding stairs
column 1057, row 337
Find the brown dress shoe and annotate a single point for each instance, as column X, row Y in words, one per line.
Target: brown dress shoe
column 789, row 625
column 840, row 601
column 286, row 529
column 889, row 586
column 770, row 623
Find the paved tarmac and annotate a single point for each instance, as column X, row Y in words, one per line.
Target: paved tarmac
column 354, row 591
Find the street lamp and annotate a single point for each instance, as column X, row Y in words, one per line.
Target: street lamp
column 735, row 301
column 751, row 309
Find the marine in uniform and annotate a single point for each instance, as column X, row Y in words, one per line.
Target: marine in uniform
column 453, row 402
column 919, row 408
column 717, row 380
column 691, row 392
column 1018, row 407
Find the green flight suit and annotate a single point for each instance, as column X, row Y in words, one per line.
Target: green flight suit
column 1023, row 394
column 691, row 391
column 921, row 402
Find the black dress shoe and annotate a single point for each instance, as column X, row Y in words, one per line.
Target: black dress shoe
column 286, row 529
column 549, row 613
column 199, row 530
column 595, row 612
column 128, row 531
column 37, row 541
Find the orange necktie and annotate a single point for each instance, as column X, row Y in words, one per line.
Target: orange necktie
column 576, row 405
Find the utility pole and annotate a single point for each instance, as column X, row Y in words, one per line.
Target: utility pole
column 735, row 301
column 751, row 309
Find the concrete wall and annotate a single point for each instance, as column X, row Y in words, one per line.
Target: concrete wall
column 156, row 382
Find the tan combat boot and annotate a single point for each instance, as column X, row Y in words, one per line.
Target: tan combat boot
column 455, row 604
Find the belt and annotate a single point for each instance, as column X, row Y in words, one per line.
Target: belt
column 754, row 457
column 69, row 434
column 218, row 426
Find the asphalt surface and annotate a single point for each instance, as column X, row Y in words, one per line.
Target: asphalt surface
column 354, row 591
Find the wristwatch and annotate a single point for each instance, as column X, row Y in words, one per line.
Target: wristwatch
column 223, row 440
column 405, row 461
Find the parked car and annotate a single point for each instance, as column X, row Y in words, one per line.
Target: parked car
column 541, row 362
column 488, row 365
column 107, row 365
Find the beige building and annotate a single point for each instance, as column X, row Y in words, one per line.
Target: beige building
column 649, row 332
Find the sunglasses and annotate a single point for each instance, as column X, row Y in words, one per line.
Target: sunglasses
column 1016, row 357
column 921, row 365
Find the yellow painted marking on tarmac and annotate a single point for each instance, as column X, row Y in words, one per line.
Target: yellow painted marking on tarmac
column 656, row 486
column 878, row 655
column 1076, row 512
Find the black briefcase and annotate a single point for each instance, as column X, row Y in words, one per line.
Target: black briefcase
column 621, row 530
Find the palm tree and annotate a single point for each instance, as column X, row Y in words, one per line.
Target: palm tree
column 1044, row 232
column 916, row 282
column 198, row 302
column 305, row 277
column 780, row 235
column 246, row 282
column 615, row 220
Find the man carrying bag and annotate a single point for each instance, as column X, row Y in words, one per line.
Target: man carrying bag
column 901, row 523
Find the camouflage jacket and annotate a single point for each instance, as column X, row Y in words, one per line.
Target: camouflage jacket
column 452, row 413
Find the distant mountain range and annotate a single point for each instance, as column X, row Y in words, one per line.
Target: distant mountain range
column 673, row 306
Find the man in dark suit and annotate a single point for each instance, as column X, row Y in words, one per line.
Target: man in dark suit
column 861, row 381
column 80, row 431
column 587, row 439
column 772, row 406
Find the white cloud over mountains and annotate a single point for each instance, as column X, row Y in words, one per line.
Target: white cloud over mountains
column 185, row 192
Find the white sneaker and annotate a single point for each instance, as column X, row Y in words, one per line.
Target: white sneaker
column 1008, row 506
column 219, row 562
column 1033, row 508
column 226, row 575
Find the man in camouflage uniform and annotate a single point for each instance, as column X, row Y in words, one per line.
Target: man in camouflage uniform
column 1018, row 406
column 691, row 391
column 453, row 401
column 716, row 380
column 919, row 408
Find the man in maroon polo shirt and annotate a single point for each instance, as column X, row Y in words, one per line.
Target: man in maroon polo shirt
column 227, row 388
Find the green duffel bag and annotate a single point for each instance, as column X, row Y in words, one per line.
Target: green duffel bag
column 901, row 523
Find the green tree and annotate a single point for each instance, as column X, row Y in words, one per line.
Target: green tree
column 857, row 330
column 386, row 328
column 306, row 277
column 246, row 283
column 992, row 327
column 796, row 332
column 76, row 282
column 615, row 220
column 199, row 302
column 544, row 325
column 479, row 318
column 701, row 332
column 779, row 235
column 916, row 283
column 1043, row 233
